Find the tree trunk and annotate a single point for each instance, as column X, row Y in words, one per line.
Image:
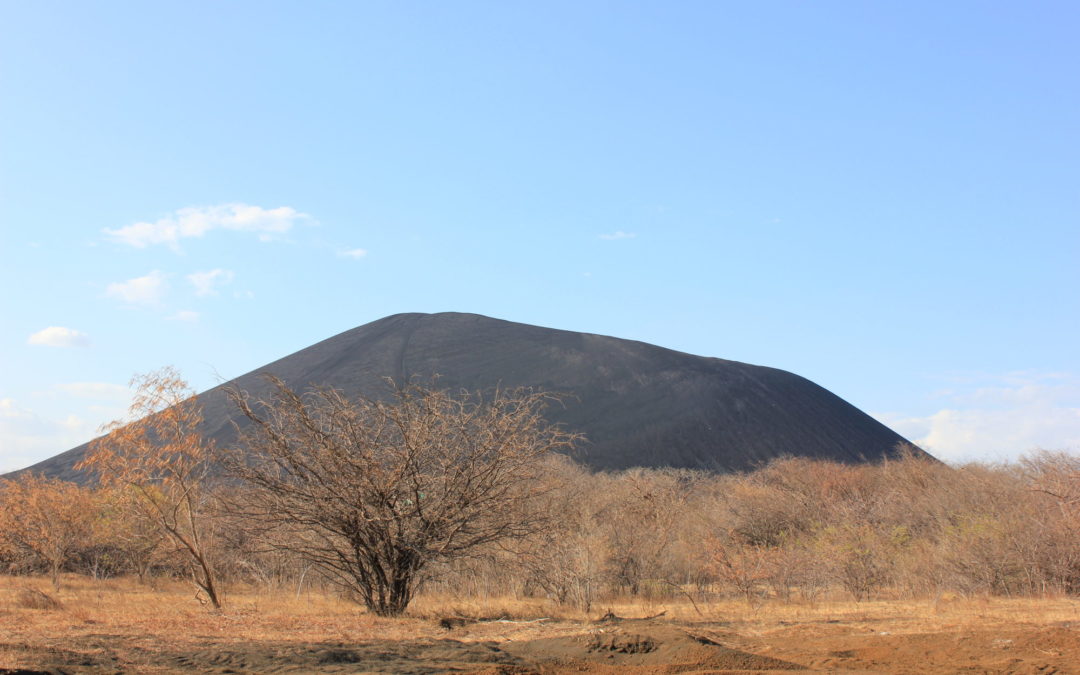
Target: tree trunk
column 392, row 596
column 206, row 583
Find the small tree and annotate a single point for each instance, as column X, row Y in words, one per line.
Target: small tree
column 161, row 459
column 374, row 491
column 124, row 526
column 1055, row 476
column 49, row 519
column 566, row 559
column 739, row 564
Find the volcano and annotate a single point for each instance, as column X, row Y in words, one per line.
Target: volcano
column 638, row 405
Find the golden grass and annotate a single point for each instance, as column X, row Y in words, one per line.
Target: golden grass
column 921, row 615
column 254, row 613
column 140, row 617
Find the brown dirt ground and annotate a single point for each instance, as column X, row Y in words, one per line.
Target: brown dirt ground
column 117, row 630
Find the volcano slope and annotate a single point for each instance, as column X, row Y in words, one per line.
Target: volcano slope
column 637, row 404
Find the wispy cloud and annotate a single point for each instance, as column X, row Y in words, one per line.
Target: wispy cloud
column 998, row 418
column 27, row 437
column 354, row 253
column 97, row 391
column 206, row 283
column 196, row 221
column 185, row 315
column 58, row 336
column 619, row 234
column 146, row 290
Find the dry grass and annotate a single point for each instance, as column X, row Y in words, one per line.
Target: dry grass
column 939, row 613
column 32, row 598
column 137, row 618
column 171, row 609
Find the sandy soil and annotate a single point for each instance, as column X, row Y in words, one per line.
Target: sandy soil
column 636, row 647
column 92, row 633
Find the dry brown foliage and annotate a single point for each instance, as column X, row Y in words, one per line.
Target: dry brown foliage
column 159, row 458
column 463, row 495
column 375, row 491
column 47, row 519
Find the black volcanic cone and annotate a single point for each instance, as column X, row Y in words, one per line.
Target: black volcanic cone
column 637, row 404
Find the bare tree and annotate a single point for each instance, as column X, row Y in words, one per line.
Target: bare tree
column 373, row 491
column 640, row 520
column 124, row 526
column 566, row 559
column 161, row 458
column 739, row 564
column 1056, row 475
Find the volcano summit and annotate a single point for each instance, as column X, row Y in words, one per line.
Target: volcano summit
column 636, row 403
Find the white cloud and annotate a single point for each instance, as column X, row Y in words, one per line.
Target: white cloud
column 97, row 391
column 618, row 235
column 58, row 336
column 146, row 290
column 185, row 315
column 354, row 253
column 196, row 221
column 998, row 420
column 27, row 438
column 76, row 411
column 205, row 282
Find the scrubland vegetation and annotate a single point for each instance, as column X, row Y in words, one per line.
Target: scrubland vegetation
column 381, row 522
column 794, row 530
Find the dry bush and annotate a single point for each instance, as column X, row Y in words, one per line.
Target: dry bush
column 795, row 530
column 565, row 561
column 374, row 491
column 1055, row 477
column 796, row 567
column 158, row 456
column 639, row 518
column 987, row 525
column 46, row 519
column 739, row 564
column 125, row 530
column 860, row 559
column 32, row 598
column 761, row 514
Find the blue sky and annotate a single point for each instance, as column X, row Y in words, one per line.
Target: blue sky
column 881, row 197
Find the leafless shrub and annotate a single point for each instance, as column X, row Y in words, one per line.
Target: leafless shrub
column 462, row 494
column 374, row 491
column 739, row 564
column 567, row 560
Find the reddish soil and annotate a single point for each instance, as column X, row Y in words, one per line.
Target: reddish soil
column 642, row 646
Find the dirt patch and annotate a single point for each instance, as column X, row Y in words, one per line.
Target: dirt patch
column 642, row 648
column 656, row 646
column 1044, row 651
column 409, row 657
column 638, row 647
column 56, row 661
column 1022, row 637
